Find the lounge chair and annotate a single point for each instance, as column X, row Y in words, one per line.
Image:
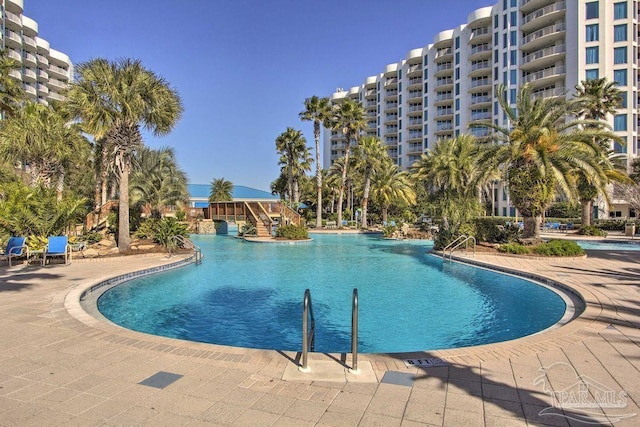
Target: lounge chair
column 16, row 248
column 57, row 246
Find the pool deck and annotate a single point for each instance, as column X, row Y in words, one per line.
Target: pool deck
column 61, row 366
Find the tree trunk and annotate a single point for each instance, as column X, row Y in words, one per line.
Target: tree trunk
column 316, row 137
column 343, row 184
column 365, row 199
column 124, row 240
column 585, row 215
column 532, row 227
column 384, row 213
column 60, row 186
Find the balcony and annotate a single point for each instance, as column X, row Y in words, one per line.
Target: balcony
column 391, row 94
column 29, row 43
column 528, row 6
column 58, row 72
column 43, row 90
column 414, row 149
column 415, row 122
column 56, row 84
column 13, row 21
column 15, row 56
column 546, row 76
column 391, row 118
column 480, row 84
column 42, row 60
column 480, row 116
column 29, row 59
column 391, row 83
column 443, row 69
column 391, row 106
column 414, row 70
column 480, row 68
column 544, row 36
column 444, row 98
column 29, row 75
column 482, row 99
column 543, row 17
column 549, row 93
column 415, row 109
column 43, row 76
column 16, row 74
column 480, row 35
column 480, row 51
column 479, row 131
column 370, row 104
column 444, row 54
column 370, row 93
column 543, row 57
column 12, row 39
column 444, row 82
column 414, row 82
column 391, row 140
column 30, row 90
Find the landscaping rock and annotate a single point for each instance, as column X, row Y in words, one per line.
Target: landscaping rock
column 105, row 243
column 110, row 251
column 90, row 253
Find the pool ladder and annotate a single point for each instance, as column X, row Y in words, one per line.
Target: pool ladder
column 459, row 241
column 309, row 332
column 188, row 244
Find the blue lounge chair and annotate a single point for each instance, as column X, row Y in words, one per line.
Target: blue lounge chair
column 15, row 249
column 57, row 246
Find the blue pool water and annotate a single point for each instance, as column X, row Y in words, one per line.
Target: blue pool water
column 602, row 245
column 250, row 295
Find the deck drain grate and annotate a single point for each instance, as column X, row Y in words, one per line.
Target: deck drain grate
column 398, row 378
column 427, row 362
column 161, row 379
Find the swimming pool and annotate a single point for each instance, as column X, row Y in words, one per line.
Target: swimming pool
column 250, row 295
column 604, row 245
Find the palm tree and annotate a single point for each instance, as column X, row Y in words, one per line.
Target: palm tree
column 12, row 94
column 39, row 137
column 221, row 190
column 114, row 100
column 157, row 181
column 319, row 111
column 369, row 156
column 540, row 151
column 349, row 119
column 390, row 186
column 451, row 173
column 294, row 158
column 599, row 98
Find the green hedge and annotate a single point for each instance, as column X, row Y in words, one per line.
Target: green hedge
column 513, row 248
column 292, row 232
column 558, row 248
column 592, row 230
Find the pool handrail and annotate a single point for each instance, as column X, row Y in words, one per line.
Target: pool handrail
column 457, row 239
column 466, row 240
column 188, row 244
column 354, row 333
column 308, row 336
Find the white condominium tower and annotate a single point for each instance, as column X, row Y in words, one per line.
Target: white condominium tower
column 439, row 89
column 45, row 71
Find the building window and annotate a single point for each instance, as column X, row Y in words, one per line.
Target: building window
column 514, row 38
column 514, row 57
column 620, row 10
column 513, row 77
column 495, row 39
column 514, row 3
column 620, row 77
column 457, row 73
column 591, row 74
column 623, row 100
column 620, row 55
column 592, row 10
column 513, row 95
column 504, row 21
column 620, row 122
column 457, row 58
column 457, row 42
column 496, row 20
column 457, row 119
column 592, row 33
column 592, row 55
column 619, row 33
column 513, row 19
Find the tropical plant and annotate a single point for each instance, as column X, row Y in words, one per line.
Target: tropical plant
column 114, row 100
column 540, row 151
column 599, row 98
column 348, row 118
column 294, row 159
column 221, row 190
column 12, row 94
column 390, row 186
column 292, row 232
column 370, row 156
column 450, row 171
column 157, row 181
column 319, row 111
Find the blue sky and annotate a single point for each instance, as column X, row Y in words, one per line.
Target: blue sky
column 244, row 67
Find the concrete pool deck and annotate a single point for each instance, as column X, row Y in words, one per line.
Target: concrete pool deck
column 61, row 366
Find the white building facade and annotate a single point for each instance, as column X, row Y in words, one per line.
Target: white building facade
column 438, row 90
column 45, row 71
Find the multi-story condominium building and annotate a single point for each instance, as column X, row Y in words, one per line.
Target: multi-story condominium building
column 45, row 71
column 438, row 90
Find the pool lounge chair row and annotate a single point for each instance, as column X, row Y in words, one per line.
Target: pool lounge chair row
column 57, row 246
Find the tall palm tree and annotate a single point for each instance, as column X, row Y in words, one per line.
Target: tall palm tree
column 349, row 119
column 539, row 153
column 294, row 158
column 599, row 98
column 390, row 186
column 369, row 156
column 12, row 94
column 114, row 100
column 221, row 190
column 319, row 111
column 157, row 181
column 451, row 173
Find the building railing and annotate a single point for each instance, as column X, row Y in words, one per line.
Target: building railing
column 544, row 11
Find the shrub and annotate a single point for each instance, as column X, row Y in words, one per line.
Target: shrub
column 181, row 215
column 443, row 238
column 591, row 230
column 388, row 230
column 90, row 237
column 247, row 229
column 292, row 232
column 167, row 229
column 559, row 248
column 513, row 248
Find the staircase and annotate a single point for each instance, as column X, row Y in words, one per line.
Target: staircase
column 259, row 218
column 99, row 220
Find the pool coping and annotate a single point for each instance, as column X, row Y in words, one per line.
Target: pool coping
column 573, row 331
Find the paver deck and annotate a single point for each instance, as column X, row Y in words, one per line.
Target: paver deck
column 61, row 366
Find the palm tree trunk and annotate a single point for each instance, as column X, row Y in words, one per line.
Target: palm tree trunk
column 585, row 215
column 316, row 137
column 384, row 213
column 60, row 186
column 124, row 240
column 343, row 184
column 365, row 200
column 532, row 227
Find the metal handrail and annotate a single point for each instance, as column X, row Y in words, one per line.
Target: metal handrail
column 354, row 333
column 188, row 244
column 308, row 336
column 473, row 239
column 444, row 251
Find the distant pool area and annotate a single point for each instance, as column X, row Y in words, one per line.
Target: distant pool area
column 608, row 245
column 250, row 295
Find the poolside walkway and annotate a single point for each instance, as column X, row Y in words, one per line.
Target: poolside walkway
column 61, row 366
